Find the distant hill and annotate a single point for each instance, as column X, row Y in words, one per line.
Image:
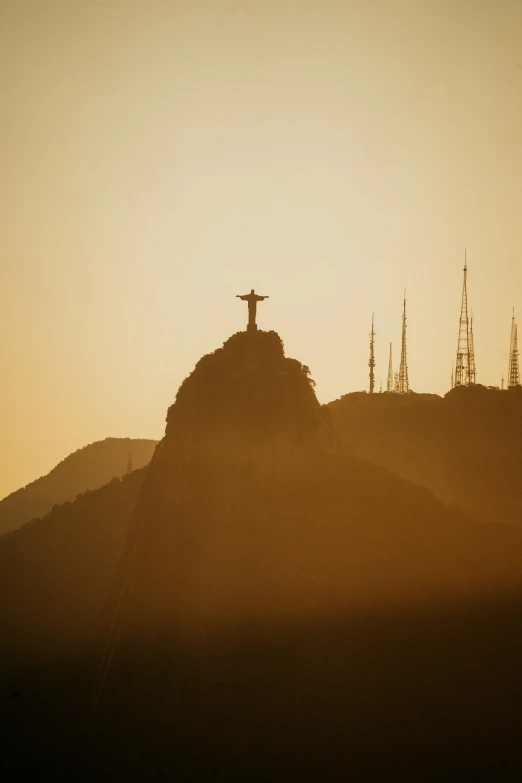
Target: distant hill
column 466, row 447
column 86, row 469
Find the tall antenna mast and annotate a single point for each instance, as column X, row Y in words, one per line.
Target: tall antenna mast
column 452, row 378
column 390, row 384
column 514, row 367
column 371, row 363
column 462, row 368
column 472, row 367
column 403, row 368
column 129, row 462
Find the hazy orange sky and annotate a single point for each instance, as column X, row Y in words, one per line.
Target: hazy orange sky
column 159, row 157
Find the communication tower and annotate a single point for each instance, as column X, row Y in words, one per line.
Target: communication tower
column 472, row 367
column 465, row 365
column 371, row 363
column 390, row 386
column 514, row 366
column 403, row 368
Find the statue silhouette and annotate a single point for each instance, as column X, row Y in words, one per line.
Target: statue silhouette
column 252, row 298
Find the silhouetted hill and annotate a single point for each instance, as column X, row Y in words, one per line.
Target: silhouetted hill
column 255, row 556
column 86, row 469
column 465, row 447
column 55, row 572
column 281, row 611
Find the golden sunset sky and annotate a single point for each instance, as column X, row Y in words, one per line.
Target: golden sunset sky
column 159, row 157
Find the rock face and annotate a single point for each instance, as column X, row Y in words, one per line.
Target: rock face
column 264, row 575
column 85, row 469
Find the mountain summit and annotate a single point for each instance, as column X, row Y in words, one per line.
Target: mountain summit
column 247, row 399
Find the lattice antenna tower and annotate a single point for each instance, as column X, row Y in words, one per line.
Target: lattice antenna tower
column 472, row 366
column 371, row 363
column 396, row 382
column 403, row 368
column 129, row 462
column 452, row 378
column 462, row 367
column 514, row 366
column 390, row 386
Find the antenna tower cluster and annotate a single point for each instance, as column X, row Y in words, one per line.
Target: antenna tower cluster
column 464, row 373
column 398, row 382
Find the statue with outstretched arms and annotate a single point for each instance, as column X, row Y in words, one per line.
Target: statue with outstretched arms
column 252, row 298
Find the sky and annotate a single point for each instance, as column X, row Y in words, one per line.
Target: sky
column 159, row 157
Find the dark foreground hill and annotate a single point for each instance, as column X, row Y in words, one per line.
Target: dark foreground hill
column 281, row 611
column 86, row 469
column 56, row 572
column 465, row 447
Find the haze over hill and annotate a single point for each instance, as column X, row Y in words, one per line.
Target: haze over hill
column 280, row 607
column 85, row 469
column 289, row 591
column 253, row 546
column 465, row 447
